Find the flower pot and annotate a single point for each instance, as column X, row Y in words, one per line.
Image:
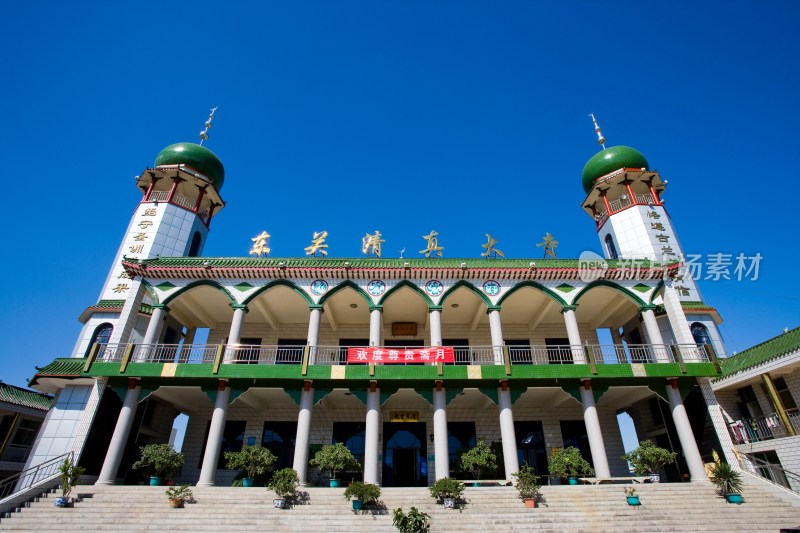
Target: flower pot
column 358, row 505
column 176, row 504
column 62, row 502
column 247, row 482
column 449, row 503
column 155, row 481
column 734, row 497
column 633, row 500
column 476, row 483
column 530, row 502
column 334, row 482
column 572, row 480
column 279, row 503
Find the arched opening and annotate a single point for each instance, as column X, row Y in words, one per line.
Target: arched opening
column 611, row 249
column 101, row 335
column 197, row 240
column 700, row 333
column 464, row 319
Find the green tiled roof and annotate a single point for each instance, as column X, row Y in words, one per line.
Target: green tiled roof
column 109, row 304
column 63, row 366
column 760, row 353
column 363, row 262
column 24, row 397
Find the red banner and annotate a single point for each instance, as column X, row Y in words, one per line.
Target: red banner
column 378, row 354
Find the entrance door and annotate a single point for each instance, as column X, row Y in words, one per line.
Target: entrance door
column 404, row 454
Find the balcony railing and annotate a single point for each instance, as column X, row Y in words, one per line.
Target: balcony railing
column 599, row 354
column 766, row 427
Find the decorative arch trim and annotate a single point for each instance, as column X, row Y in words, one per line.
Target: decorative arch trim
column 406, row 283
column 200, row 283
column 343, row 285
column 279, row 282
column 468, row 285
column 657, row 290
column 150, row 290
column 603, row 283
column 534, row 285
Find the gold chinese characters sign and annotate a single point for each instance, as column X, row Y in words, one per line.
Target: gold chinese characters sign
column 404, row 416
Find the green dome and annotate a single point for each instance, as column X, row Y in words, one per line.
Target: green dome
column 195, row 156
column 608, row 161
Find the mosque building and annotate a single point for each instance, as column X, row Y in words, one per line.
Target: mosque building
column 406, row 361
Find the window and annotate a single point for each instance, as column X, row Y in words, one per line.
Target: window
column 232, row 441
column 700, row 333
column 290, row 351
column 559, row 351
column 783, row 392
column 26, row 433
column 100, row 336
column 611, row 250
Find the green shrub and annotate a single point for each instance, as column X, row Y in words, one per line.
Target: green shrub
column 70, row 473
column 568, row 462
column 334, row 458
column 527, row 482
column 159, row 460
column 413, row 522
column 648, row 458
column 366, row 492
column 479, row 459
column 284, row 483
column 254, row 460
column 447, row 487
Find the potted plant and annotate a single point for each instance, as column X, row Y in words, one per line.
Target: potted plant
column 254, row 460
column 648, row 459
column 527, row 484
column 569, row 463
column 631, row 496
column 179, row 494
column 728, row 481
column 447, row 490
column 283, row 483
column 413, row 522
column 334, row 458
column 70, row 473
column 159, row 460
column 362, row 493
column 478, row 459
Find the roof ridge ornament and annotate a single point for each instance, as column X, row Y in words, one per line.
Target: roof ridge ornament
column 600, row 139
column 204, row 133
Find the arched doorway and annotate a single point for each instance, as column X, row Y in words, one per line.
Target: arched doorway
column 405, row 454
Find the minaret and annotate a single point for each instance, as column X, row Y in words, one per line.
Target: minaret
column 624, row 199
column 180, row 196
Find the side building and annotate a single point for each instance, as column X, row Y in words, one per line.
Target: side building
column 22, row 412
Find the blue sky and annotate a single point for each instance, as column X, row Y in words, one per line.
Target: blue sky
column 463, row 117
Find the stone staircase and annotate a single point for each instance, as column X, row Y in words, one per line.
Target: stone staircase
column 665, row 507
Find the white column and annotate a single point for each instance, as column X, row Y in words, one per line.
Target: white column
column 209, row 469
column 441, row 453
column 573, row 333
column 507, row 434
column 314, row 319
column 303, row 437
column 375, row 326
column 235, row 334
column 685, row 434
column 496, row 330
column 592, row 421
column 119, row 439
column 435, row 315
column 654, row 334
column 371, row 436
column 154, row 326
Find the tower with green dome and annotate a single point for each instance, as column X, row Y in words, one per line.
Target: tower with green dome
column 624, row 198
column 180, row 198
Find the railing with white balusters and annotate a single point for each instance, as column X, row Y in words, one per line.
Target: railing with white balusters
column 464, row 355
